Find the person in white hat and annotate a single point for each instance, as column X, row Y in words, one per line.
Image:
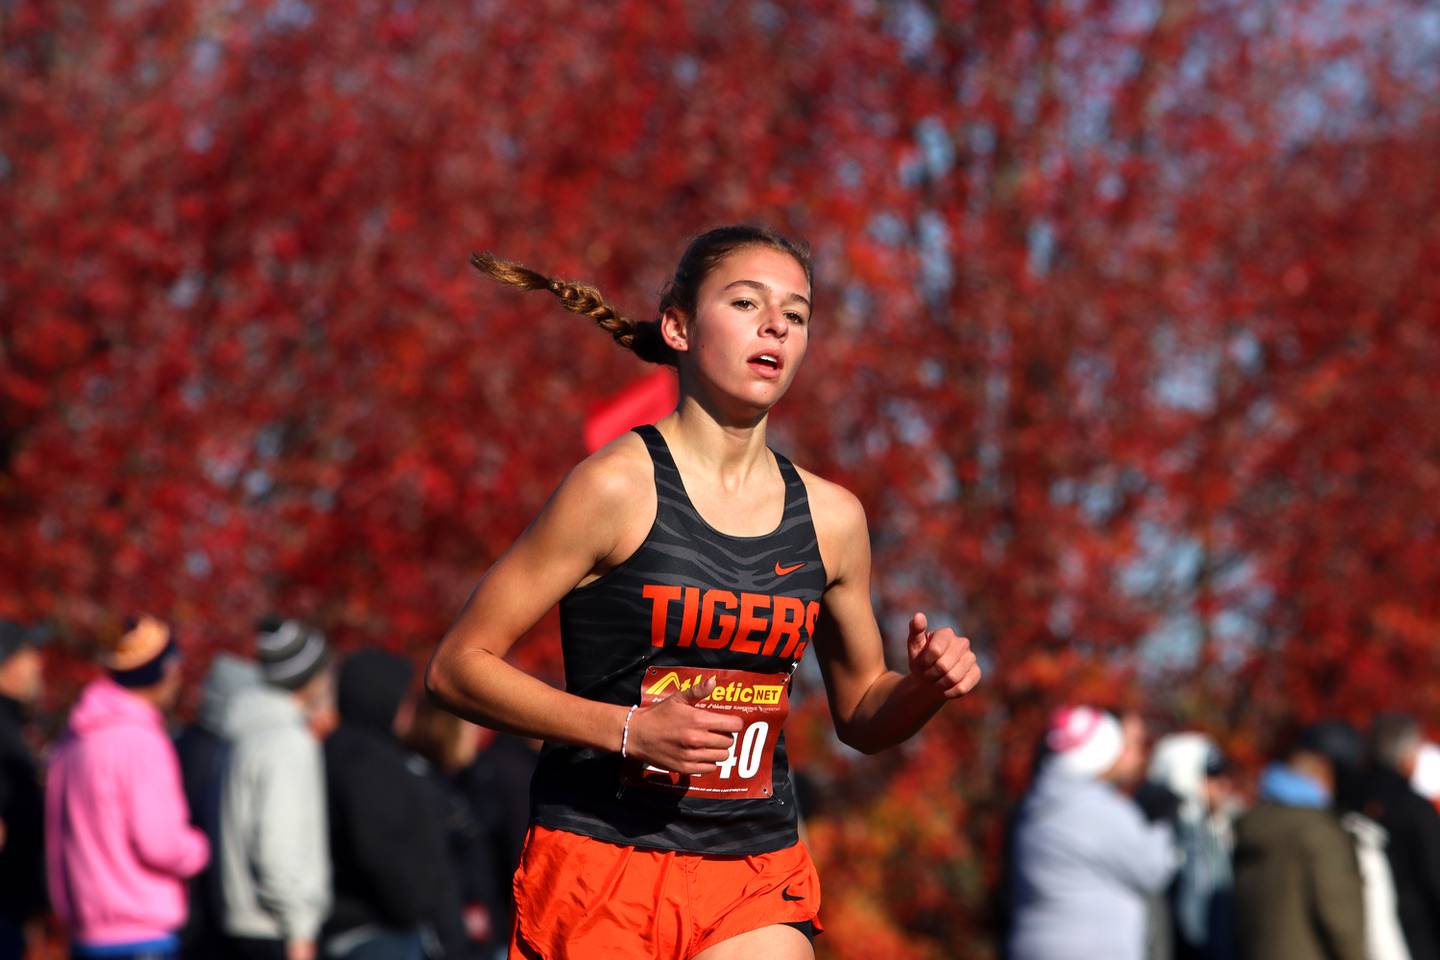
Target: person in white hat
column 1086, row 861
column 1201, row 902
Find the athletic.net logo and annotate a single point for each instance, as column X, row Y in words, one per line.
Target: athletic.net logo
column 736, row 691
column 760, row 700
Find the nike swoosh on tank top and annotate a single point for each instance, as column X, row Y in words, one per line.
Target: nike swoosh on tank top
column 693, row 597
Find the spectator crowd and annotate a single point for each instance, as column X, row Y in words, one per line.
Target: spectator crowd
column 313, row 809
column 1121, row 855
column 320, row 807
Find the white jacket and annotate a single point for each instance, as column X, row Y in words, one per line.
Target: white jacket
column 1384, row 940
column 1086, row 864
column 274, row 838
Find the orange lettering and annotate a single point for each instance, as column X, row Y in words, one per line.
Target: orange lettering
column 726, row 622
column 659, row 597
column 687, row 622
column 784, row 623
column 812, row 611
column 750, row 603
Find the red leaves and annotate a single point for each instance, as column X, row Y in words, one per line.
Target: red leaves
column 23, row 391
column 1117, row 355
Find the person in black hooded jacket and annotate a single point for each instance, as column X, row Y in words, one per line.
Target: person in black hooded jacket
column 1414, row 829
column 396, row 897
column 22, row 802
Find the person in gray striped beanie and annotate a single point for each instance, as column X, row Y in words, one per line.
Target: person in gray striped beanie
column 274, row 834
column 290, row 653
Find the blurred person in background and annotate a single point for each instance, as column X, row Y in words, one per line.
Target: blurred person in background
column 1384, row 939
column 396, row 893
column 1298, row 888
column 664, row 766
column 274, row 856
column 1202, row 897
column 1086, row 860
column 22, row 801
column 1413, row 826
column 486, row 796
column 497, row 786
column 118, row 841
column 204, row 752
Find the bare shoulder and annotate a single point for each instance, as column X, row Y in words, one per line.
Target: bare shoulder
column 840, row 528
column 839, row 510
column 616, row 475
column 606, row 505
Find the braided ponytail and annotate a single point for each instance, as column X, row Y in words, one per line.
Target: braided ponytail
column 642, row 337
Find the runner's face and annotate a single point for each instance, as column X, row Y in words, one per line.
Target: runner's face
column 752, row 325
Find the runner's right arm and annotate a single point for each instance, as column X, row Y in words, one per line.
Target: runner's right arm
column 582, row 530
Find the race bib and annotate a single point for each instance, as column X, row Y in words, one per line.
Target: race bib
column 760, row 700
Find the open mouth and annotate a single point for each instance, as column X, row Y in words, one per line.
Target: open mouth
column 766, row 364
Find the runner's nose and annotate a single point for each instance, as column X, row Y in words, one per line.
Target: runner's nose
column 775, row 323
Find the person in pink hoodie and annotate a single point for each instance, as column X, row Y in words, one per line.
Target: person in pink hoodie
column 118, row 842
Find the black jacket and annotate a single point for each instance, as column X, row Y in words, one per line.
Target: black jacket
column 496, row 792
column 204, row 757
column 388, row 840
column 22, row 807
column 1414, row 852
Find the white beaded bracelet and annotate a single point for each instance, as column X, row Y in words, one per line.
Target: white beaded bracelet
column 625, row 735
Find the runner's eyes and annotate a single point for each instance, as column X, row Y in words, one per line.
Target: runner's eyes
column 744, row 303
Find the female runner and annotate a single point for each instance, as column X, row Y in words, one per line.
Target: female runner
column 693, row 567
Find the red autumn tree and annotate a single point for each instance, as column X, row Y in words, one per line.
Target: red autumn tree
column 1126, row 336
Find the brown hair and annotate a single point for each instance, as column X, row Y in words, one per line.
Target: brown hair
column 643, row 336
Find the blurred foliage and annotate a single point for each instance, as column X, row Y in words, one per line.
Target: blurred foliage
column 1128, row 331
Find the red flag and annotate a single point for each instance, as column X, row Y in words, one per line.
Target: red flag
column 643, row 401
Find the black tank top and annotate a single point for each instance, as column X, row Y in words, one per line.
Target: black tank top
column 612, row 629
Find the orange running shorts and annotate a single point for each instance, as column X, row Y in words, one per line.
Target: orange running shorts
column 576, row 897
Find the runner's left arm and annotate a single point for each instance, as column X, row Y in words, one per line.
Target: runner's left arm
column 875, row 708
